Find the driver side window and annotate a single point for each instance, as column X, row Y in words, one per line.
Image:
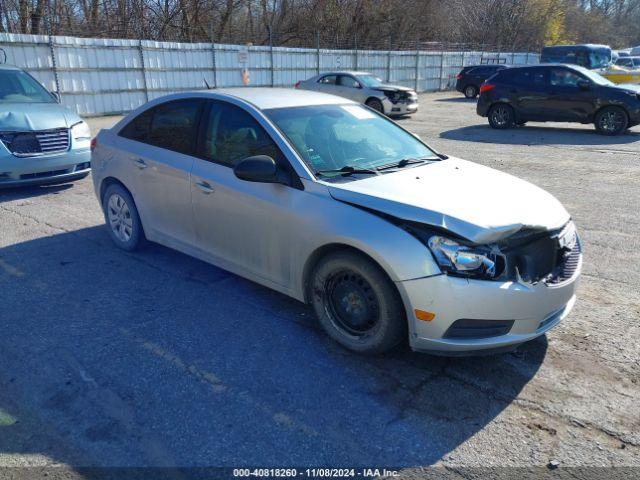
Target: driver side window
column 560, row 77
column 232, row 135
column 347, row 81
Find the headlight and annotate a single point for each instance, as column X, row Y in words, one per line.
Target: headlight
column 461, row 259
column 81, row 131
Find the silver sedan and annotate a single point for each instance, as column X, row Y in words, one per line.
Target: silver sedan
column 335, row 205
column 363, row 87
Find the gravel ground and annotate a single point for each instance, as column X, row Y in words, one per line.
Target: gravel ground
column 156, row 359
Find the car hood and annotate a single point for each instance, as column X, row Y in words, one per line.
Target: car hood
column 475, row 202
column 393, row 88
column 629, row 86
column 19, row 117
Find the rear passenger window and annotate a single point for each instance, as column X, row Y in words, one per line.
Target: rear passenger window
column 138, row 128
column 481, row 71
column 174, row 126
column 528, row 77
column 170, row 125
column 328, row 80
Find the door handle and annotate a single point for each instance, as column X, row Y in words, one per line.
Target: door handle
column 140, row 163
column 204, row 187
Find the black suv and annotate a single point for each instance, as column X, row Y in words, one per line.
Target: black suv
column 470, row 78
column 558, row 93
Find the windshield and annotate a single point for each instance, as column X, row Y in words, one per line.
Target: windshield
column 599, row 58
column 331, row 137
column 370, row 80
column 17, row 86
column 594, row 77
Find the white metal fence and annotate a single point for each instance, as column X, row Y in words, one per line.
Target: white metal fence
column 107, row 76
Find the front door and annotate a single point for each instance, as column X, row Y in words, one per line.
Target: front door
column 350, row 88
column 567, row 101
column 244, row 226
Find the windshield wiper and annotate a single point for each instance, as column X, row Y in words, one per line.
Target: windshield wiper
column 406, row 161
column 348, row 170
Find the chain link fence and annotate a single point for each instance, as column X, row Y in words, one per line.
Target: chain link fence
column 97, row 76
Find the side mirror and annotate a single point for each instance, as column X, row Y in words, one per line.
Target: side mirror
column 261, row 169
column 584, row 84
column 56, row 95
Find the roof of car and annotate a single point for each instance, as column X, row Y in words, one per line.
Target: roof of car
column 487, row 65
column 345, row 72
column 265, row 98
column 537, row 65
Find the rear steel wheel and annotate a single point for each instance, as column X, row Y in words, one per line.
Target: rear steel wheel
column 501, row 116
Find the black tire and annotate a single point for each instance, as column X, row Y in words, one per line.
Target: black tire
column 357, row 304
column 611, row 121
column 375, row 104
column 470, row 91
column 501, row 116
column 127, row 233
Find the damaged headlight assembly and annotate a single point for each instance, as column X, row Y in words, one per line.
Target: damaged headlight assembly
column 463, row 260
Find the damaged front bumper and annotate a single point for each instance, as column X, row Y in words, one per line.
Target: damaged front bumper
column 472, row 316
column 401, row 107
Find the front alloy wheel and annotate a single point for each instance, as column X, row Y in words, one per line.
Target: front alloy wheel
column 611, row 121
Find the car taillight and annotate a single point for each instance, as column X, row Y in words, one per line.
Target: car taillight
column 486, row 87
column 94, row 143
column 459, row 76
column 297, row 85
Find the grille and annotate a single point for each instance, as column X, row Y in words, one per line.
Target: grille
column 469, row 328
column 45, row 142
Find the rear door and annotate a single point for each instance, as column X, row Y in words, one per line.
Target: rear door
column 527, row 88
column 328, row 84
column 160, row 144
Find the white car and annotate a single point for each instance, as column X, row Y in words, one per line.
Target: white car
column 329, row 202
column 365, row 88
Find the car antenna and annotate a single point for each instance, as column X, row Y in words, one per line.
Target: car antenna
column 206, row 83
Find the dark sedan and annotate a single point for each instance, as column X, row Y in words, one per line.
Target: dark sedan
column 558, row 93
column 470, row 78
